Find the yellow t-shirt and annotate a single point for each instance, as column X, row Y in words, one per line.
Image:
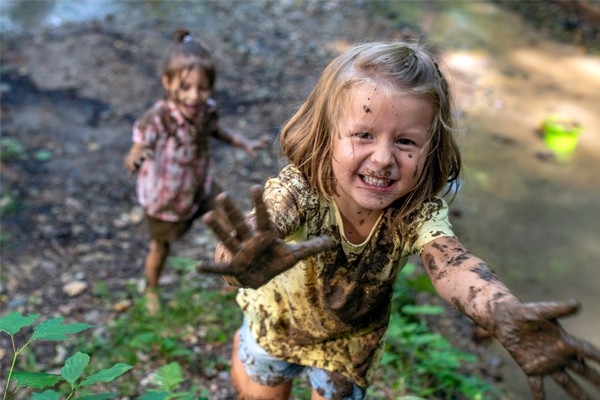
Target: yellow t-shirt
column 332, row 310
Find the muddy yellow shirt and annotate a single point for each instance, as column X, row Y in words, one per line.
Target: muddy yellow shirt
column 332, row 310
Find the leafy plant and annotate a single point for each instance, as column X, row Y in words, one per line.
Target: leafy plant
column 168, row 379
column 11, row 149
column 194, row 316
column 426, row 363
column 72, row 371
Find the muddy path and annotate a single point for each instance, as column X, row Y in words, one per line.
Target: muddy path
column 71, row 90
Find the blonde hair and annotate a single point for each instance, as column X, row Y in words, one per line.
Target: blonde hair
column 186, row 55
column 307, row 138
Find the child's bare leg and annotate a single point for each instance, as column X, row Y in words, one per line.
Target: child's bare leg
column 155, row 261
column 246, row 388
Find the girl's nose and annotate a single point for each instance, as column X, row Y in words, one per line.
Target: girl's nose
column 382, row 154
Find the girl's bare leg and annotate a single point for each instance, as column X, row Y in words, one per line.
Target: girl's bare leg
column 155, row 261
column 316, row 396
column 246, row 388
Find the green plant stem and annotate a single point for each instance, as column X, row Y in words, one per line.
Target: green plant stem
column 16, row 352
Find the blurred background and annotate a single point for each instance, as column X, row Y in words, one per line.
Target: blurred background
column 76, row 74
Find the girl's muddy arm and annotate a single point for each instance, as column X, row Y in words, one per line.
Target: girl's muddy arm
column 465, row 281
column 236, row 139
column 256, row 255
column 530, row 332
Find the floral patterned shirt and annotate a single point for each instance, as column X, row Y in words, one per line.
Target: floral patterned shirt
column 170, row 185
column 332, row 310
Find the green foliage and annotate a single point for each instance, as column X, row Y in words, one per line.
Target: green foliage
column 73, row 369
column 182, row 264
column 416, row 364
column 11, row 149
column 42, row 155
column 191, row 313
column 420, row 362
column 163, row 336
column 167, row 381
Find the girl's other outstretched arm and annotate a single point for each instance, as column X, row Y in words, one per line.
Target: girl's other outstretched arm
column 236, row 139
column 530, row 332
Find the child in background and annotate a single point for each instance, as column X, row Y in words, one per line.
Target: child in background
column 171, row 149
column 371, row 151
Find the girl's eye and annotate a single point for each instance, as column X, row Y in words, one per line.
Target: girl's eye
column 363, row 135
column 404, row 142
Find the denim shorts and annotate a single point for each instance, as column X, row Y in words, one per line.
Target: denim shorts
column 270, row 371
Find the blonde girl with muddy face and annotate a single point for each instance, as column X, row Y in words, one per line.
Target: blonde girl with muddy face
column 171, row 153
column 371, row 151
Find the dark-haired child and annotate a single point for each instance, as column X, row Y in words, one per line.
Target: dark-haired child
column 171, row 153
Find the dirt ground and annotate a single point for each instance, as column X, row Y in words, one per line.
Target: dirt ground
column 75, row 90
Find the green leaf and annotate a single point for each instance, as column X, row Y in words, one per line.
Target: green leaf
column 47, row 395
column 107, row 375
column 35, row 380
column 13, row 322
column 184, row 264
column 426, row 338
column 74, row 367
column 42, row 155
column 99, row 396
column 408, row 269
column 169, row 376
column 426, row 309
column 53, row 329
column 150, row 395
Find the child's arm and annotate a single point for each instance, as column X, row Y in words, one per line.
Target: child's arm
column 250, row 146
column 530, row 332
column 136, row 156
column 252, row 253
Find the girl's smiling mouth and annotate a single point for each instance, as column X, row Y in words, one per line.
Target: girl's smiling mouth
column 377, row 181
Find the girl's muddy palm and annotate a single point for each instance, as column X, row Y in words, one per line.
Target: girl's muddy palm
column 537, row 342
column 255, row 256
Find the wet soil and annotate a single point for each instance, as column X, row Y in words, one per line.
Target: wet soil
column 74, row 90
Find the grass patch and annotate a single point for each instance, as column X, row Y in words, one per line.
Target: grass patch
column 170, row 350
column 192, row 321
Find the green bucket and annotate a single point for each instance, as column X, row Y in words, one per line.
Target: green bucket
column 561, row 135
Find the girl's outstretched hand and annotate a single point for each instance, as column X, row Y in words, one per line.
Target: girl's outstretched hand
column 136, row 155
column 537, row 342
column 256, row 255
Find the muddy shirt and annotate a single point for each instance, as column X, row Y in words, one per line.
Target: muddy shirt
column 170, row 185
column 332, row 309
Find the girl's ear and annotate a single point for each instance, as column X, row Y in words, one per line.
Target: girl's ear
column 165, row 83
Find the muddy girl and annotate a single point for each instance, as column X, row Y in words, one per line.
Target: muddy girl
column 171, row 153
column 371, row 152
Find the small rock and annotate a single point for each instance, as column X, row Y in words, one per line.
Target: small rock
column 75, row 288
column 123, row 305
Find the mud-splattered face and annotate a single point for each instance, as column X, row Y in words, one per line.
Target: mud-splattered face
column 379, row 148
column 189, row 90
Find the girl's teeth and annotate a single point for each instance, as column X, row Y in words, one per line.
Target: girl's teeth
column 376, row 181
